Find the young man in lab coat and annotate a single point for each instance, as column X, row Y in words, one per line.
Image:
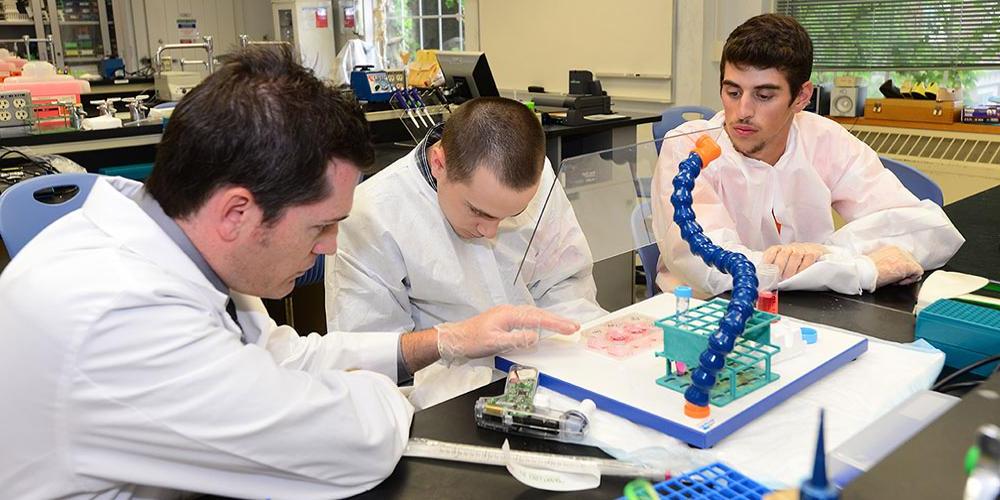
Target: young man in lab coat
column 135, row 357
column 770, row 194
column 439, row 235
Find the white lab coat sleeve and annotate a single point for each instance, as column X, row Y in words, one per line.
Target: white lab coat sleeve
column 181, row 404
column 366, row 281
column 675, row 254
column 879, row 212
column 563, row 281
column 314, row 353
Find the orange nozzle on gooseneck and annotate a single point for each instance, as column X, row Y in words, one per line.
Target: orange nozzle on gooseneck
column 695, row 411
column 707, row 149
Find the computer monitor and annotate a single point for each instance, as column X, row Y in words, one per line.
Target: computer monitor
column 467, row 74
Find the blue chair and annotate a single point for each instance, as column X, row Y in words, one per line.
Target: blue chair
column 917, row 182
column 315, row 274
column 674, row 117
column 648, row 253
column 31, row 205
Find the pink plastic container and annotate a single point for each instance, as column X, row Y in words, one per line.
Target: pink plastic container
column 40, row 78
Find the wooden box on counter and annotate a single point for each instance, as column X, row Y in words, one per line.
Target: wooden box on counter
column 913, row 110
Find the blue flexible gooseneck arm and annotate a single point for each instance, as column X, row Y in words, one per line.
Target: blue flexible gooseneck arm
column 744, row 295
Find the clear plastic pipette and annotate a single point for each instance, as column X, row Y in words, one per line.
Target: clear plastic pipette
column 468, row 453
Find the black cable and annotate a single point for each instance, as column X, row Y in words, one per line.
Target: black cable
column 959, row 385
column 32, row 167
column 34, row 160
column 966, row 369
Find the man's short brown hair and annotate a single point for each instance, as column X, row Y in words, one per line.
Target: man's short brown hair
column 771, row 41
column 496, row 133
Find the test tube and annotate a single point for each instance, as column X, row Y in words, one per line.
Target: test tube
column 683, row 295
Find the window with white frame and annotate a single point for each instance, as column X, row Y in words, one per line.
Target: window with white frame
column 412, row 25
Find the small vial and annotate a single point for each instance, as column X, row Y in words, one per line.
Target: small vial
column 768, row 277
column 767, row 301
column 683, row 295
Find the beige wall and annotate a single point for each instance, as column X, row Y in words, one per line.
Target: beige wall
column 537, row 42
column 702, row 30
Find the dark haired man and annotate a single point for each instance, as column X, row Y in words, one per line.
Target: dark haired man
column 770, row 193
column 439, row 235
column 135, row 357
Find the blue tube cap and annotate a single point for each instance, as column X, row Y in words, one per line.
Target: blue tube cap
column 809, row 334
column 683, row 291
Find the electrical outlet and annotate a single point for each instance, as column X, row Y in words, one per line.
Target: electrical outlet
column 16, row 110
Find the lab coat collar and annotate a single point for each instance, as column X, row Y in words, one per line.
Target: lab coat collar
column 111, row 207
column 152, row 208
column 415, row 180
column 420, row 154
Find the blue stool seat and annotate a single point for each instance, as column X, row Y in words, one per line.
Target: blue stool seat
column 917, row 182
column 31, row 205
column 673, row 118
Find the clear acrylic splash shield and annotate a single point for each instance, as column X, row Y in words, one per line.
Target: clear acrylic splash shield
column 611, row 191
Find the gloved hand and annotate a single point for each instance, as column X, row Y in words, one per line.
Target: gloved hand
column 895, row 265
column 794, row 258
column 497, row 330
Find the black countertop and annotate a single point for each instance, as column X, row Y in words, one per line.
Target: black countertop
column 121, row 81
column 634, row 119
column 81, row 135
column 978, row 219
column 453, row 421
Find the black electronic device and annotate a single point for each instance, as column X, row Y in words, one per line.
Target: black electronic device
column 467, row 75
column 581, row 82
column 577, row 107
column 819, row 103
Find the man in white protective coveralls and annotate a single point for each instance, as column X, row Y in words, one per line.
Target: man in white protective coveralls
column 770, row 194
column 136, row 359
column 440, row 234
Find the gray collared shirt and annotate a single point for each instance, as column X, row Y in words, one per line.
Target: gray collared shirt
column 152, row 208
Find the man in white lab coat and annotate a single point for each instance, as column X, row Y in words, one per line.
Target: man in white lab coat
column 770, row 194
column 135, row 357
column 440, row 234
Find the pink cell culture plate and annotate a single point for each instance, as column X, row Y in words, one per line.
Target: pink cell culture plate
column 623, row 337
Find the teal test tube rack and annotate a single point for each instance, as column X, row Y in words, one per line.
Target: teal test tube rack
column 747, row 368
